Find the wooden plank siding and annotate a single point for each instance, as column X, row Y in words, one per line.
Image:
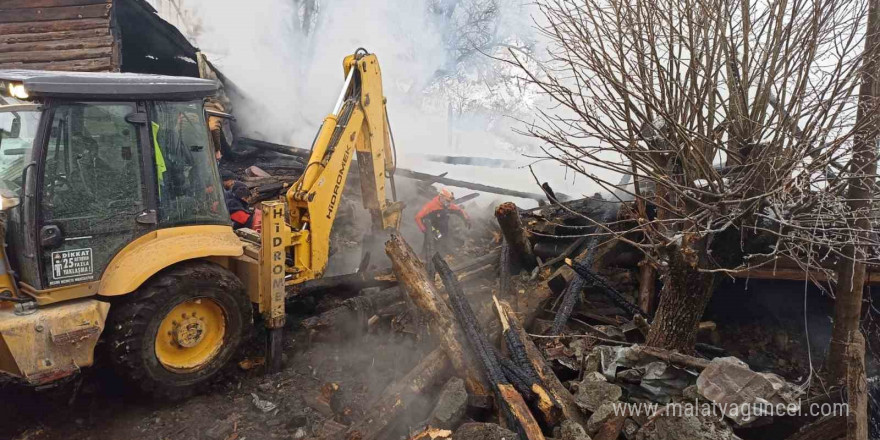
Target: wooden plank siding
column 28, row 4
column 58, row 13
column 102, row 64
column 72, row 35
column 39, row 27
column 14, row 39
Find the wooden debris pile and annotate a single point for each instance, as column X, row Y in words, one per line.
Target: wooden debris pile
column 542, row 337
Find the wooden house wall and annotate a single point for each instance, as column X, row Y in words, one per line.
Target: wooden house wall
column 74, row 35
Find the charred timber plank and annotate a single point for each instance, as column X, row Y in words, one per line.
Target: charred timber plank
column 515, row 234
column 551, row 382
column 516, row 407
column 826, row 428
column 567, row 253
column 504, row 269
column 523, row 376
column 101, row 10
column 60, row 55
column 673, row 357
column 89, row 65
column 856, row 388
column 54, row 36
column 398, row 396
column 36, row 27
column 410, row 272
column 465, row 266
column 277, row 148
column 510, row 399
column 348, row 282
column 353, row 314
column 26, row 4
column 594, row 251
column 475, row 273
column 598, row 281
column 467, row 320
column 68, row 44
column 610, row 430
column 402, row 172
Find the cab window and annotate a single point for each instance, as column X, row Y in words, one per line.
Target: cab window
column 91, row 194
column 188, row 185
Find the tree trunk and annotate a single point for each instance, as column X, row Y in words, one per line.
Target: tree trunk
column 856, row 388
column 851, row 271
column 683, row 299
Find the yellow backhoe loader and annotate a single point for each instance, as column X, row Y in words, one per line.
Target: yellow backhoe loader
column 116, row 228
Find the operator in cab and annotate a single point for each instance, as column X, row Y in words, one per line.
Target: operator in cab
column 236, row 202
column 434, row 215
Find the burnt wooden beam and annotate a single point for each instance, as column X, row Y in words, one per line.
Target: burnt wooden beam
column 410, row 272
column 276, row 148
column 504, row 269
column 343, row 283
column 826, row 428
column 509, row 399
column 515, row 234
column 673, row 357
column 572, row 293
column 399, row 395
column 512, row 328
column 353, row 314
column 410, row 174
column 598, row 281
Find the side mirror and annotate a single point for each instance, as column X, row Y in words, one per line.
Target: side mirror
column 10, row 124
column 50, row 236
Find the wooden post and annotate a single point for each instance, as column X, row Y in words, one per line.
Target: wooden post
column 410, row 272
column 515, row 235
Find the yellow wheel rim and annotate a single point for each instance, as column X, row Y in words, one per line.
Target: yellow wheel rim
column 191, row 335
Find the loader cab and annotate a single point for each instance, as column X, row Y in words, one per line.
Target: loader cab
column 94, row 161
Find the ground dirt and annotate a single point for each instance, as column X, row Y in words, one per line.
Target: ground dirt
column 94, row 406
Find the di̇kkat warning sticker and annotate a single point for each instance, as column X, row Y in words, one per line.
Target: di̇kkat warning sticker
column 72, row 265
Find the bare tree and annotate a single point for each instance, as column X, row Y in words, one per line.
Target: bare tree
column 732, row 118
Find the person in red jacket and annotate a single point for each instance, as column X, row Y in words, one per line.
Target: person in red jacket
column 436, row 214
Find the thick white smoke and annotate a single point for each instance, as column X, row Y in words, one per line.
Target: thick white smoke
column 438, row 104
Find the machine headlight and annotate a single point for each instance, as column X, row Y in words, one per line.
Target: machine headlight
column 17, row 90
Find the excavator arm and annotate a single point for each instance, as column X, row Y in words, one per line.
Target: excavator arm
column 357, row 127
column 299, row 227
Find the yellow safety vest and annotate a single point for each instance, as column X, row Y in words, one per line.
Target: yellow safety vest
column 160, row 160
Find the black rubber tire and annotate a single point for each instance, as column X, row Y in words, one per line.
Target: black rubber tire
column 133, row 324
